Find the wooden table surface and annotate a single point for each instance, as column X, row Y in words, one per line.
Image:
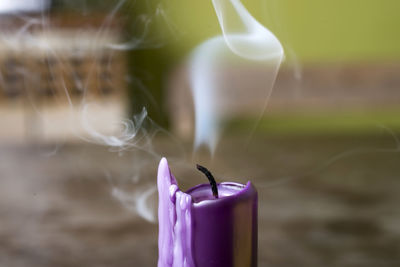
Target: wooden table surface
column 324, row 201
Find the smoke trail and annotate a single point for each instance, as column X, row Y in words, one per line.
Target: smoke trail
column 137, row 201
column 219, row 67
column 340, row 157
column 62, row 51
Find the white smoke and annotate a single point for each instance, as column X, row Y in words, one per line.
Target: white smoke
column 137, row 202
column 219, row 67
column 74, row 58
column 246, row 43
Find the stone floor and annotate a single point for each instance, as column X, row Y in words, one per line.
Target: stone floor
column 324, row 200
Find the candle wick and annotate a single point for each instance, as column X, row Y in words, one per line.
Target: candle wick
column 211, row 178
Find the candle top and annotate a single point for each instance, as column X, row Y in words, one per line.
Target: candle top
column 177, row 211
column 203, row 192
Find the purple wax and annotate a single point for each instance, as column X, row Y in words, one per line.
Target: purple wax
column 224, row 230
column 198, row 230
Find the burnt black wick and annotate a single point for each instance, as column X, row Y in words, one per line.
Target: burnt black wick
column 211, row 178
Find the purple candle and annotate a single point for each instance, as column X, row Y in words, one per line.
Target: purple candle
column 199, row 229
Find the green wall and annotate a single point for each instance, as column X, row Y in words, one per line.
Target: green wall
column 315, row 30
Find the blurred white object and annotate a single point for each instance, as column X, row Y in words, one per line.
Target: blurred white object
column 14, row 6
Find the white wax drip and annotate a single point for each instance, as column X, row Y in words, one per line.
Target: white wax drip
column 175, row 221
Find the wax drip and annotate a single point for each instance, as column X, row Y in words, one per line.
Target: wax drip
column 211, row 178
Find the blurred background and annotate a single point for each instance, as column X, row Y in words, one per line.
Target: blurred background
column 93, row 93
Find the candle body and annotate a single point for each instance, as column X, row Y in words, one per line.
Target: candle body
column 198, row 230
column 224, row 230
